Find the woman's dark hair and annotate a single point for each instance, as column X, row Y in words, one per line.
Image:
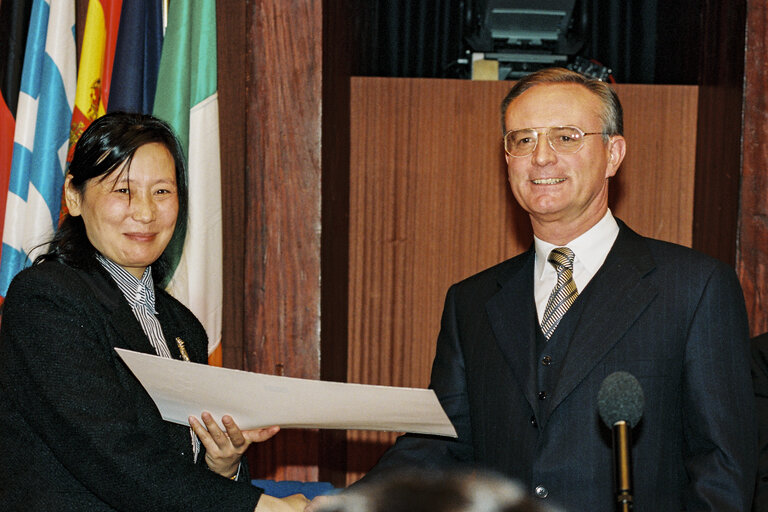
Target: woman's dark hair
column 110, row 141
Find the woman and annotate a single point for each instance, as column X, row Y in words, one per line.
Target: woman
column 77, row 430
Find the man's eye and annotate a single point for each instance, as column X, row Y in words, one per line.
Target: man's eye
column 524, row 140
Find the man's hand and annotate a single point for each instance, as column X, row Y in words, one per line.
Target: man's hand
column 293, row 503
column 318, row 502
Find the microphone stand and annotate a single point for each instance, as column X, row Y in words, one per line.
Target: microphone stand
column 622, row 465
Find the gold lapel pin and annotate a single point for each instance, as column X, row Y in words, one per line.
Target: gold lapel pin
column 182, row 349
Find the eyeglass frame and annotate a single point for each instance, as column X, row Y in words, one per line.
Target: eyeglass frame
column 549, row 141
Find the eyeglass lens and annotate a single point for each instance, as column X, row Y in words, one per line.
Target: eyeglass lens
column 563, row 139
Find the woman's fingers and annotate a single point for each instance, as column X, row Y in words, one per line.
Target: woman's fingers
column 261, row 434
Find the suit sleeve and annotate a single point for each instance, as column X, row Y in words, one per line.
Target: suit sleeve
column 718, row 405
column 760, row 381
column 56, row 357
column 449, row 382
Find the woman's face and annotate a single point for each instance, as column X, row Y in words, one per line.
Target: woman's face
column 130, row 220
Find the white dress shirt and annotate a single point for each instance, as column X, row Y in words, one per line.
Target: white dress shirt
column 590, row 250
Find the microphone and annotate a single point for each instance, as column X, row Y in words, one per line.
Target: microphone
column 620, row 403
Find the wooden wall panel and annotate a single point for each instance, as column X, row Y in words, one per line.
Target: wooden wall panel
column 282, row 191
column 654, row 189
column 231, row 39
column 752, row 259
column 719, row 147
column 429, row 205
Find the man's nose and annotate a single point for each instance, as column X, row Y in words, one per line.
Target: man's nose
column 543, row 153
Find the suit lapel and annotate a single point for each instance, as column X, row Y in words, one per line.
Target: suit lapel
column 174, row 327
column 119, row 313
column 512, row 313
column 616, row 297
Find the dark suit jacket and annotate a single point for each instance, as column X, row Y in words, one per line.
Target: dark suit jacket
column 77, row 430
column 672, row 317
column 760, row 381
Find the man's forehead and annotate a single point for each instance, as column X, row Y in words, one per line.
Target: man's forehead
column 553, row 105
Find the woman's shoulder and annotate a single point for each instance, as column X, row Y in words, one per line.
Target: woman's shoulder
column 54, row 278
column 48, row 273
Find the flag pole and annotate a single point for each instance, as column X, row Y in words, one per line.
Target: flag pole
column 165, row 15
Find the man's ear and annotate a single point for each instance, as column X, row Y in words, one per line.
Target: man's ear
column 617, row 148
column 72, row 197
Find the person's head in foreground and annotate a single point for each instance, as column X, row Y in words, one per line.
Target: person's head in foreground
column 417, row 491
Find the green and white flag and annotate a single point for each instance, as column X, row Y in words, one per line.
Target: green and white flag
column 187, row 98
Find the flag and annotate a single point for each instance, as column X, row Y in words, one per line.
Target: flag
column 102, row 22
column 41, row 135
column 14, row 23
column 137, row 57
column 187, row 98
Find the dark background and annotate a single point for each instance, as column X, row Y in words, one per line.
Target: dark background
column 641, row 41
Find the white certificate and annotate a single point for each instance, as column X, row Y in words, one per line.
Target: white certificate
column 181, row 389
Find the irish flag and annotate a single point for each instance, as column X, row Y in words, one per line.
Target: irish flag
column 186, row 97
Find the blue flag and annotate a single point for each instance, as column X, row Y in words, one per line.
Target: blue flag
column 41, row 140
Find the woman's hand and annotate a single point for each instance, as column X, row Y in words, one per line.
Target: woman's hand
column 293, row 503
column 223, row 450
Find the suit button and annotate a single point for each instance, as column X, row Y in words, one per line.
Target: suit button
column 533, row 421
column 542, row 395
column 546, row 360
column 541, row 491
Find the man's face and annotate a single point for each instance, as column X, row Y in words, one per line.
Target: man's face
column 569, row 191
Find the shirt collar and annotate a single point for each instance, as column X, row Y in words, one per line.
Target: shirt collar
column 138, row 293
column 590, row 248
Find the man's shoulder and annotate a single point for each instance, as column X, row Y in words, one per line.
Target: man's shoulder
column 666, row 253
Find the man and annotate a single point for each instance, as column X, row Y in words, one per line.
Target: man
column 520, row 382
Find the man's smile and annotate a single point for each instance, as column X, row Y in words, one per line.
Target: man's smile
column 548, row 181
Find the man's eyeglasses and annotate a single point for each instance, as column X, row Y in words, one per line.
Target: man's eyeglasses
column 562, row 139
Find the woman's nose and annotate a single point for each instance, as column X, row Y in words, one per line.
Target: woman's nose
column 142, row 208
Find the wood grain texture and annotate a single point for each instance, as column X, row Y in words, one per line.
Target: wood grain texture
column 430, row 205
column 752, row 259
column 718, row 156
column 282, row 203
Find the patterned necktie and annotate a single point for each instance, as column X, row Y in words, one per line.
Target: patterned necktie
column 563, row 294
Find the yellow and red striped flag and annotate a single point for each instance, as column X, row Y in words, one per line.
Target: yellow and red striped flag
column 94, row 73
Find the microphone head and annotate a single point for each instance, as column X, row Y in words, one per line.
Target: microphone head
column 620, row 398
